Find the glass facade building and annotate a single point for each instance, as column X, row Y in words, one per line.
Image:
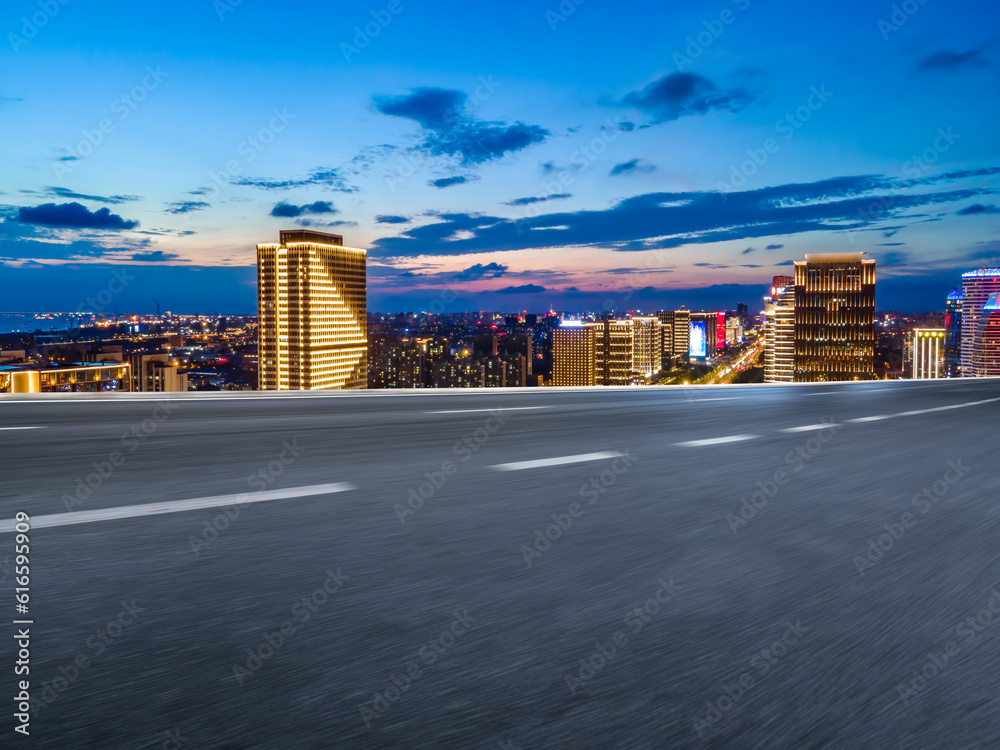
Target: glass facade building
column 953, row 335
column 977, row 287
column 834, row 318
column 312, row 307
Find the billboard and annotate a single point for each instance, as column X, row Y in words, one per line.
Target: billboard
column 720, row 331
column 699, row 342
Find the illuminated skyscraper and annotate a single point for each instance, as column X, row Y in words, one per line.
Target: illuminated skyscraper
column 977, row 287
column 928, row 353
column 312, row 308
column 986, row 341
column 834, row 318
column 779, row 341
column 647, row 343
column 615, row 352
column 953, row 335
column 574, row 354
column 675, row 331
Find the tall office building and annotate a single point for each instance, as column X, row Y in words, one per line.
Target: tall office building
column 953, row 335
column 743, row 313
column 986, row 341
column 647, row 343
column 779, row 335
column 928, row 353
column 666, row 319
column 574, row 354
column 615, row 352
column 834, row 317
column 977, row 287
column 675, row 328
column 312, row 309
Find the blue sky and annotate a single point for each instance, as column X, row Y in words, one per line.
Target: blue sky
column 535, row 154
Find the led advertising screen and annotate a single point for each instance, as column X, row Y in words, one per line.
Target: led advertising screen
column 699, row 344
column 720, row 331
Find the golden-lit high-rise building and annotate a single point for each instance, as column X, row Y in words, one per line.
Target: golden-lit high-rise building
column 615, row 352
column 574, row 354
column 312, row 307
column 834, row 318
column 647, row 343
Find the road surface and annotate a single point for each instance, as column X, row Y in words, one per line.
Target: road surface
column 732, row 567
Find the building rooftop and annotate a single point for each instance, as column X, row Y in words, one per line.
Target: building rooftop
column 981, row 272
column 306, row 235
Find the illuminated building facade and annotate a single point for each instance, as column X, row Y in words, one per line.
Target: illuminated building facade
column 73, row 377
column 986, row 341
column 928, row 353
column 779, row 336
column 977, row 288
column 675, row 332
column 953, row 335
column 615, row 352
column 647, row 344
column 574, row 354
column 834, row 318
column 312, row 308
column 704, row 334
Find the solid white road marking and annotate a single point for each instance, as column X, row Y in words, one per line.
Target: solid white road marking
column 498, row 408
column 716, row 441
column 519, row 465
column 22, row 428
column 177, row 506
column 870, row 419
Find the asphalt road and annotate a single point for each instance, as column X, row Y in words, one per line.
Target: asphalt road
column 585, row 569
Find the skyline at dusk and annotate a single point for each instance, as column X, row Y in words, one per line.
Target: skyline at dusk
column 496, row 161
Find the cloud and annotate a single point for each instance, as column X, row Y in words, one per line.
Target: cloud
column 978, row 208
column 775, row 247
column 632, row 167
column 155, row 256
column 452, row 131
column 324, row 177
column 287, row 210
column 677, row 95
column 949, row 60
column 480, row 271
column 523, row 289
column 389, row 219
column 748, row 251
column 540, row 199
column 446, row 182
column 61, row 192
column 786, row 263
column 72, row 215
column 656, row 221
column 186, row 207
column 311, row 223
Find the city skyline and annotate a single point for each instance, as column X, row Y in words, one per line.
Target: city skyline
column 689, row 172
